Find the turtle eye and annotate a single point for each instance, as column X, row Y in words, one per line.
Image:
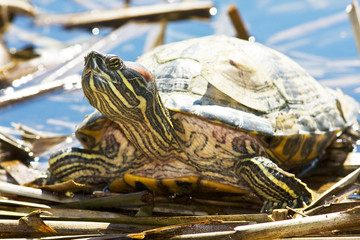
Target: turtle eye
column 115, row 63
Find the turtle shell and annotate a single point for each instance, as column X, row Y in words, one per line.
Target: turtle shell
column 247, row 86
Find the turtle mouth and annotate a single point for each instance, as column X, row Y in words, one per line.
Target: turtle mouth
column 88, row 72
column 92, row 75
column 94, row 87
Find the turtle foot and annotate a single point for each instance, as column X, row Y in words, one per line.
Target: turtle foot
column 300, row 202
column 278, row 188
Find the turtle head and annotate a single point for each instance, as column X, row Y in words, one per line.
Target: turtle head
column 117, row 89
column 126, row 93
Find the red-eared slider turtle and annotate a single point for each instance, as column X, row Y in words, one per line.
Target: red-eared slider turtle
column 215, row 112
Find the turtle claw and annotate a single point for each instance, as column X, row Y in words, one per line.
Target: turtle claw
column 300, row 202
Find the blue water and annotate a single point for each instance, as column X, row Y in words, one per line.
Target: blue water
column 315, row 33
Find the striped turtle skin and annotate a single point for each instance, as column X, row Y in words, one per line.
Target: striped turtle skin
column 215, row 113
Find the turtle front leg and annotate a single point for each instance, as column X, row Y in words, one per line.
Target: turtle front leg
column 82, row 166
column 277, row 187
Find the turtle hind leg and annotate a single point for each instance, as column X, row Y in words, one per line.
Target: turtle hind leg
column 277, row 187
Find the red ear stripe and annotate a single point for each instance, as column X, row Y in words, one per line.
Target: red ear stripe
column 142, row 71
